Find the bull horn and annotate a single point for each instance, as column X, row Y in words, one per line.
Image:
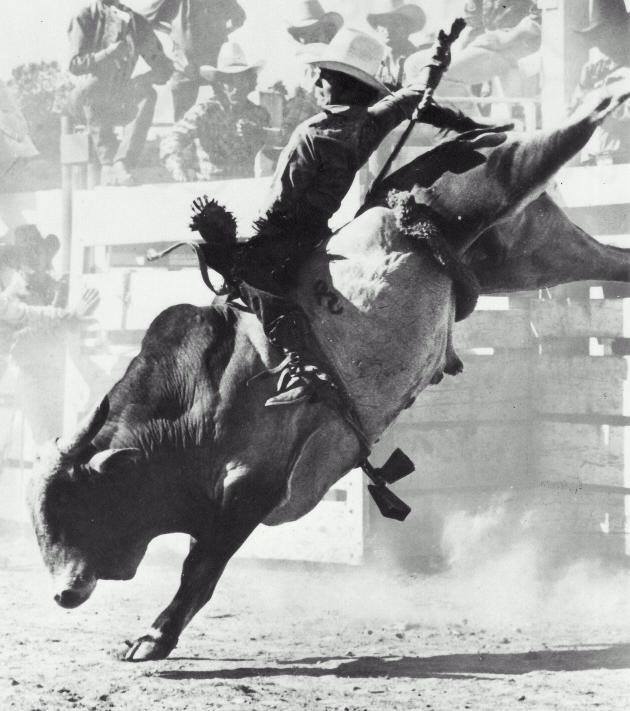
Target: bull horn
column 110, row 460
column 85, row 433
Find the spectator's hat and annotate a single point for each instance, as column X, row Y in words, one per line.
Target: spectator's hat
column 383, row 10
column 308, row 14
column 607, row 14
column 231, row 60
column 26, row 246
column 28, row 240
column 354, row 53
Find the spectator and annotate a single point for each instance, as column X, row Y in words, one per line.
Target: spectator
column 219, row 137
column 498, row 35
column 308, row 23
column 199, row 30
column 106, row 39
column 28, row 292
column 32, row 318
column 394, row 21
column 609, row 36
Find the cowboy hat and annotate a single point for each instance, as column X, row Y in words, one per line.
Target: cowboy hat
column 28, row 238
column 231, row 60
column 354, row 53
column 414, row 16
column 606, row 13
column 24, row 246
column 306, row 14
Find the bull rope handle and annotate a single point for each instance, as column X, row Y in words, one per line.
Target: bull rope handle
column 441, row 47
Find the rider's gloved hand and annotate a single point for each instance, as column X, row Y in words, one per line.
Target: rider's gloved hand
column 441, row 52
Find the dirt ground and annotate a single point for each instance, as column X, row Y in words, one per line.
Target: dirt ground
column 316, row 637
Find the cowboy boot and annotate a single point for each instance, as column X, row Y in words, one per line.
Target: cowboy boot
column 301, row 377
column 299, row 382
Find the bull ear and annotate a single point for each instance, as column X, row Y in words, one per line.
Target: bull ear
column 74, row 445
column 110, row 460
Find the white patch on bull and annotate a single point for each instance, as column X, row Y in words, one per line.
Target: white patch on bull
column 391, row 334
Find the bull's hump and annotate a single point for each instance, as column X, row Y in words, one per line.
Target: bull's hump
column 163, row 398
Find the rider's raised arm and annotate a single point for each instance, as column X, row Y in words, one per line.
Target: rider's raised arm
column 392, row 110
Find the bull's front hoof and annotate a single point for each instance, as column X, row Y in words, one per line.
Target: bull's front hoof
column 148, row 648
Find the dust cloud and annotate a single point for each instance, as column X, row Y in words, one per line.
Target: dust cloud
column 490, row 580
column 514, row 578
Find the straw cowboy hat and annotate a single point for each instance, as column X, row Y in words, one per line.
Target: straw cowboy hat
column 307, row 14
column 607, row 13
column 354, row 53
column 231, row 60
column 414, row 16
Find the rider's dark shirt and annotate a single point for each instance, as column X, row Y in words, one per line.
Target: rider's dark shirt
column 317, row 167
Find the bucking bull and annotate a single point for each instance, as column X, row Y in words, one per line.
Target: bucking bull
column 183, row 443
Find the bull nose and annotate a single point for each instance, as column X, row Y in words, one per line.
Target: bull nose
column 69, row 598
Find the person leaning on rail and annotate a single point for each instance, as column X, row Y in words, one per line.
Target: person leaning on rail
column 27, row 289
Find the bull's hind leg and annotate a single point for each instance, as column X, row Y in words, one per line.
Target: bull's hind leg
column 239, row 515
column 511, row 174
